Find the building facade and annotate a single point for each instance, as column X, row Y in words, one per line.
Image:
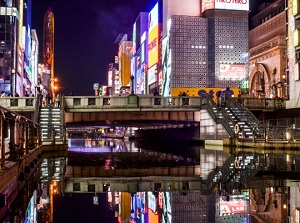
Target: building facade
column 267, row 47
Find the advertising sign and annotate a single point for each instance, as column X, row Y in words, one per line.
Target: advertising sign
column 241, row 5
column 232, row 71
column 152, row 75
column 207, row 5
column 297, row 215
column 195, row 92
column 153, row 17
column 153, row 34
column 295, row 7
column 233, row 207
column 153, row 47
column 96, row 86
column 296, row 37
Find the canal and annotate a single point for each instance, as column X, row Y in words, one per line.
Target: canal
column 116, row 180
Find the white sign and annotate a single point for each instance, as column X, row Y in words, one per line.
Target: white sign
column 242, row 5
column 152, row 75
column 96, row 86
column 95, row 200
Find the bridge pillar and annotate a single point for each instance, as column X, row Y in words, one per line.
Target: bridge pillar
column 133, row 101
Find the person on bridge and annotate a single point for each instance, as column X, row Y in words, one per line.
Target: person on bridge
column 57, row 100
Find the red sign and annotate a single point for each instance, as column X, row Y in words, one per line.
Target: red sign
column 233, row 207
column 207, row 5
column 232, row 71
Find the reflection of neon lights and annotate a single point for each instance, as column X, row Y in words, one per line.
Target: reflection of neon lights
column 233, row 207
column 99, row 149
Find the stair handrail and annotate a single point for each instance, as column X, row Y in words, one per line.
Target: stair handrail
column 217, row 113
column 250, row 117
column 209, row 183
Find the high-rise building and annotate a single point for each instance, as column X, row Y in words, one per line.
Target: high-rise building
column 15, row 47
column 138, row 67
column 204, row 52
column 48, row 79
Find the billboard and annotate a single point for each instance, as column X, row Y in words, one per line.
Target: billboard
column 232, row 71
column 233, row 207
column 152, row 75
column 241, row 5
column 153, row 40
column 196, row 92
column 207, row 5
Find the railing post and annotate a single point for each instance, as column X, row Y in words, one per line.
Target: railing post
column 2, row 141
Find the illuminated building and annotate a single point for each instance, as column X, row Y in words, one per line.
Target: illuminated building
column 15, row 47
column 113, row 78
column 204, row 50
column 267, row 47
column 138, row 61
column 293, row 52
column 125, row 54
column 154, row 72
column 47, row 78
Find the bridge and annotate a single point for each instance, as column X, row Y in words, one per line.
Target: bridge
column 147, row 112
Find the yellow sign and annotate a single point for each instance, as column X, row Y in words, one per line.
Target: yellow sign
column 198, row 91
column 153, row 46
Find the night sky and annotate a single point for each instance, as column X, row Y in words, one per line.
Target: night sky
column 85, row 32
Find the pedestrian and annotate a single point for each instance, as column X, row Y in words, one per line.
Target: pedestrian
column 3, row 94
column 57, row 100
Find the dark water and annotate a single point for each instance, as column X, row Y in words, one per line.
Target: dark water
column 229, row 171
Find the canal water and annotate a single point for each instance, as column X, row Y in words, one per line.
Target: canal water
column 271, row 196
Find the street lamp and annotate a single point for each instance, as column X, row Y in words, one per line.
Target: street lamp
column 13, row 82
column 132, row 85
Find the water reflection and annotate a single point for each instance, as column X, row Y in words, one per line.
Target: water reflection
column 102, row 179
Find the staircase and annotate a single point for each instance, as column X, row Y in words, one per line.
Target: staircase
column 51, row 122
column 245, row 124
column 235, row 173
column 237, row 120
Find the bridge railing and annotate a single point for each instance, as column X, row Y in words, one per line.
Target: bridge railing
column 124, row 101
column 18, row 103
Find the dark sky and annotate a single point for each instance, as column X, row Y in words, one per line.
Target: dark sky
column 85, row 32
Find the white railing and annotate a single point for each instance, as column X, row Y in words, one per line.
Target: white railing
column 139, row 101
column 18, row 103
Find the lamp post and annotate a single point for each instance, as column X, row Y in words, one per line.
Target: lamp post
column 13, row 82
column 132, row 84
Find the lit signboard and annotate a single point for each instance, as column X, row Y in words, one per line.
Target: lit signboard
column 295, row 7
column 233, row 207
column 296, row 71
column 242, row 5
column 297, row 215
column 153, row 35
column 109, row 79
column 195, row 92
column 152, row 75
column 232, row 71
column 20, row 47
column 296, row 37
column 9, row 11
column 207, row 5
column 153, row 47
column 134, row 39
column 153, row 17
